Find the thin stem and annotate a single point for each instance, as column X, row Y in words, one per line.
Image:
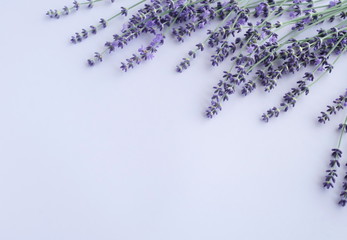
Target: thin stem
column 341, row 134
column 337, row 8
column 314, row 82
column 95, row 1
column 129, row 8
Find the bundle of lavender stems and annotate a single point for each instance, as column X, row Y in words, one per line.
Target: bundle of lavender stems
column 252, row 36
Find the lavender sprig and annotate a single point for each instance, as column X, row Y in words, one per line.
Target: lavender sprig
column 148, row 21
column 145, row 20
column 74, row 8
column 336, row 154
column 84, row 34
column 145, row 54
column 343, row 194
column 185, row 63
column 338, row 46
column 244, row 64
column 338, row 104
column 331, row 172
column 93, row 29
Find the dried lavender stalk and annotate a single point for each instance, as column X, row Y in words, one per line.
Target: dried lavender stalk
column 93, row 29
column 74, row 8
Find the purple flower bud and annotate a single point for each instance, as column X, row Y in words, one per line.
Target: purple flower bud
column 333, row 3
column 242, row 21
column 273, row 38
column 292, row 14
column 250, row 49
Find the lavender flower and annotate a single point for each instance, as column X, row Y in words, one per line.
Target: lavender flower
column 124, row 11
column 144, row 54
column 102, row 24
column 333, row 3
column 336, row 155
column 343, row 194
column 331, row 172
column 74, row 8
column 338, row 104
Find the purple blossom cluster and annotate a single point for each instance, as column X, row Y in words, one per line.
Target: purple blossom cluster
column 154, row 18
column 331, row 172
column 338, row 104
column 335, row 163
column 144, row 54
column 314, row 52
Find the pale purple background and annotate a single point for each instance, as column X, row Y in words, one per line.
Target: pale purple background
column 99, row 154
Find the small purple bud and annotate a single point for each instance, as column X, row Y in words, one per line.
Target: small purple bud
column 250, row 49
column 333, row 3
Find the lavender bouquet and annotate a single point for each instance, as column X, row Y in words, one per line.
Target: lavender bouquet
column 262, row 40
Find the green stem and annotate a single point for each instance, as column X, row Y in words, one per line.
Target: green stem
column 314, row 82
column 336, row 9
column 341, row 134
column 95, row 1
column 129, row 8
